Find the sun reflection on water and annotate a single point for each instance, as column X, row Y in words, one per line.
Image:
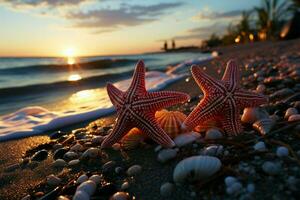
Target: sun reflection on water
column 74, row 77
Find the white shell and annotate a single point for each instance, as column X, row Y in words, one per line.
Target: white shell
column 250, row 115
column 82, row 179
column 264, row 126
column 59, row 163
column 294, row 118
column 289, row 112
column 213, row 150
column 196, row 168
column 282, row 152
column 167, row 189
column 96, row 178
column 134, row 170
column 166, row 155
column 260, row 146
column 186, row 138
column 271, row 168
column 81, row 195
column 53, row 180
column 88, row 186
column 212, row 134
column 91, row 153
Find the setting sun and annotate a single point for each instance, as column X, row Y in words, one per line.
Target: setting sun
column 70, row 52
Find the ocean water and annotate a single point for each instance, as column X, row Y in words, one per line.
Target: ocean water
column 42, row 94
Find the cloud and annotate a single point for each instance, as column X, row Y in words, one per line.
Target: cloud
column 107, row 19
column 49, row 3
column 208, row 14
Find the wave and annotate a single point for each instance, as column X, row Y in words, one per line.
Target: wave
column 54, row 68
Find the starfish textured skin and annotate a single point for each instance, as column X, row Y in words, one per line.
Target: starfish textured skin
column 136, row 108
column 223, row 100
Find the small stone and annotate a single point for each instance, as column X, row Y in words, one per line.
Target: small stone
column 229, row 180
column 33, row 164
column 70, row 155
column 234, row 189
column 271, row 168
column 120, row 196
column 27, row 197
column 167, row 189
column 282, row 152
column 293, row 118
column 74, row 163
column 88, row 186
column 116, row 146
column 125, row 185
column 118, row 170
column 213, row 150
column 40, row 155
column 213, row 134
column 81, row 195
column 157, row 148
column 186, row 138
column 251, row 188
column 108, row 166
column 97, row 139
column 134, row 170
column 62, row 198
column 53, row 180
column 96, row 178
column 59, row 163
column 289, row 112
column 57, row 146
column 77, row 147
column 260, row 146
column 82, row 179
column 91, row 153
column 59, row 153
column 166, row 155
column 261, row 88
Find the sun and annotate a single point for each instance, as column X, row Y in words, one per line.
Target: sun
column 69, row 52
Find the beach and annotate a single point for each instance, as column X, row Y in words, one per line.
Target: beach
column 19, row 178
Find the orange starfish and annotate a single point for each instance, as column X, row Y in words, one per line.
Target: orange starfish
column 136, row 108
column 223, row 100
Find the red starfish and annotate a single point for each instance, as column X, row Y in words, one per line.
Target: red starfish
column 223, row 100
column 136, row 108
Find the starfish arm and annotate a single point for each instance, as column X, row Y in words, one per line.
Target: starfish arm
column 115, row 95
column 249, row 99
column 204, row 111
column 231, row 74
column 149, row 126
column 120, row 129
column 161, row 99
column 206, row 82
column 138, row 81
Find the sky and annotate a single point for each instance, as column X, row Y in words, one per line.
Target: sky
column 107, row 27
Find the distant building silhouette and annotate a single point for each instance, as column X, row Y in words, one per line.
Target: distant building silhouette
column 166, row 46
column 173, row 44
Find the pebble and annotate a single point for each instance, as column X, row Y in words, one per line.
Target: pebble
column 88, row 186
column 289, row 112
column 166, row 155
column 134, row 170
column 57, row 146
column 59, row 163
column 33, row 164
column 229, row 180
column 118, row 170
column 212, row 134
column 157, row 148
column 77, row 147
column 74, row 163
column 234, row 189
column 59, row 153
column 53, row 180
column 91, row 153
column 125, row 185
column 63, row 198
column 213, row 150
column 108, row 166
column 120, row 196
column 116, row 146
column 97, row 139
column 27, row 197
column 293, row 118
column 96, row 178
column 70, row 155
column 82, row 179
column 40, row 155
column 260, row 146
column 186, row 138
column 251, row 188
column 261, row 88
column 271, row 168
column 167, row 189
column 282, row 152
column 81, row 195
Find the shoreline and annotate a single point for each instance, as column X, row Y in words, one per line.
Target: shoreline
column 242, row 53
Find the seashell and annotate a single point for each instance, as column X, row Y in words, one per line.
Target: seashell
column 132, row 139
column 282, row 152
column 167, row 189
column 82, row 179
column 196, row 168
column 186, row 138
column 166, row 155
column 81, row 195
column 260, row 146
column 210, row 124
column 261, row 88
column 96, row 178
column 264, row 126
column 170, row 121
column 134, row 170
column 91, row 153
column 212, row 134
column 53, row 180
column 251, row 115
column 289, row 112
column 59, row 163
column 120, row 196
column 271, row 168
column 88, row 186
column 213, row 150
column 293, row 118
